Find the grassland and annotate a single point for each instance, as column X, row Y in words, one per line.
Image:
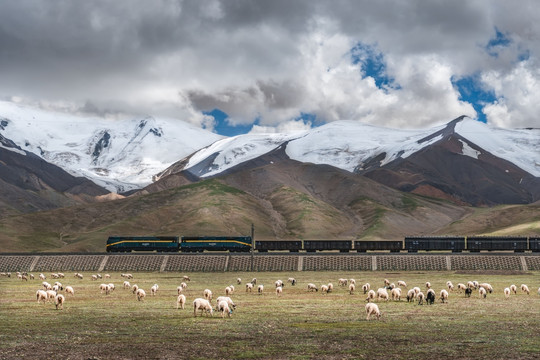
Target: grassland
column 298, row 325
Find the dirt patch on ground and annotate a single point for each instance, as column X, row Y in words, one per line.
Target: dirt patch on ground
column 492, row 272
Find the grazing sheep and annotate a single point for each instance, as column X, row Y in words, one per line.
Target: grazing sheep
column 373, row 309
column 140, row 294
column 342, row 282
column 228, row 291
column 127, row 276
column 107, row 276
column 134, row 288
column 330, row 287
column 525, row 289
column 391, row 286
column 366, row 287
column 482, row 292
column 207, row 293
column 223, row 307
column 94, row 277
column 232, row 288
column 507, row 292
column 513, row 288
column 59, row 301
column 154, row 290
column 382, row 294
column 312, row 287
column 229, row 301
column 260, row 289
column 352, row 281
column 183, row 285
column 324, row 289
column 203, row 305
column 450, row 286
column 238, row 281
column 428, row 285
column 470, row 285
column 41, row 276
column 386, row 282
column 56, row 288
column 416, row 290
column 539, row 291
column 59, row 284
column 179, row 290
column 402, row 283
column 468, row 292
column 186, row 278
column 292, row 281
column 249, row 287
column 475, row 284
column 69, row 290
column 111, row 286
column 79, row 275
column 487, row 287
column 51, row 294
column 254, row 281
column 461, row 287
column 104, row 287
column 351, row 288
column 411, row 295
column 41, row 295
column 46, row 285
column 371, row 295
column 430, row 296
column 396, row 294
column 420, row 296
column 444, row 296
column 181, row 301
column 279, row 291
column 32, row 276
column 278, row 283
column 126, row 285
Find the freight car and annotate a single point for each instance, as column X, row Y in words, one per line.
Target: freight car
column 215, row 243
column 142, row 243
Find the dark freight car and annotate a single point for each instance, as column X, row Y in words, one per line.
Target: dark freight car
column 534, row 243
column 378, row 245
column 274, row 245
column 497, row 243
column 215, row 243
column 434, row 243
column 325, row 245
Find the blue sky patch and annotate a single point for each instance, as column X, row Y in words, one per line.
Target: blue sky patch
column 471, row 90
column 223, row 126
column 500, row 41
column 372, row 64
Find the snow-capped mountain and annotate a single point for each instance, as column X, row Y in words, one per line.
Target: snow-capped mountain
column 350, row 145
column 118, row 155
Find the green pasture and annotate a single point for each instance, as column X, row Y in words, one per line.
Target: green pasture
column 297, row 325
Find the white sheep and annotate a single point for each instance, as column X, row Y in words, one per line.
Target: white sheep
column 366, row 287
column 104, row 287
column 428, row 285
column 183, row 285
column 46, row 285
column 278, row 283
column 312, row 287
column 69, row 290
column 352, row 281
column 402, row 283
column 94, row 277
column 249, row 287
column 342, row 282
column 352, row 287
column 513, row 288
column 461, row 287
column 134, row 288
column 140, row 294
column 260, row 289
column 539, row 291
column 203, row 305
column 292, row 281
column 126, row 285
column 229, row 301
column 525, row 289
column 42, row 277
column 420, row 296
column 51, row 294
column 507, row 292
column 487, row 287
column 279, row 291
column 223, row 307
column 179, row 290
column 330, row 287
column 41, row 295
column 181, row 301
column 482, row 293
column 254, row 281
column 232, row 288
column 79, row 275
column 444, row 296
column 186, row 278
column 238, row 281
column 107, row 276
column 391, row 286
column 411, row 295
column 396, row 294
column 59, row 301
column 386, row 282
column 449, row 285
column 470, row 285
column 111, row 286
column 207, row 293
column 154, row 290
column 382, row 294
column 416, row 290
column 475, row 284
column 324, row 289
column 372, row 309
column 228, row 291
column 371, row 295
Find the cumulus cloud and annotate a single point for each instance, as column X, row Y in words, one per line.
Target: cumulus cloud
column 269, row 62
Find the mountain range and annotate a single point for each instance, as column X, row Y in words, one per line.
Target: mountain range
column 70, row 181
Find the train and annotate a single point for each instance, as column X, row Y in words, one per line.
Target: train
column 411, row 244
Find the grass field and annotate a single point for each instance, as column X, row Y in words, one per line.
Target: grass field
column 298, row 325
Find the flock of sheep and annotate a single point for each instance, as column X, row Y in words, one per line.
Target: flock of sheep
column 226, row 306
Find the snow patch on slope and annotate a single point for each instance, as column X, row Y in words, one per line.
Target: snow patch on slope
column 469, row 151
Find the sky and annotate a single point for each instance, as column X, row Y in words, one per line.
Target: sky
column 238, row 66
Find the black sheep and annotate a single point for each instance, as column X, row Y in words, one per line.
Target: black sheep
column 430, row 298
column 468, row 292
